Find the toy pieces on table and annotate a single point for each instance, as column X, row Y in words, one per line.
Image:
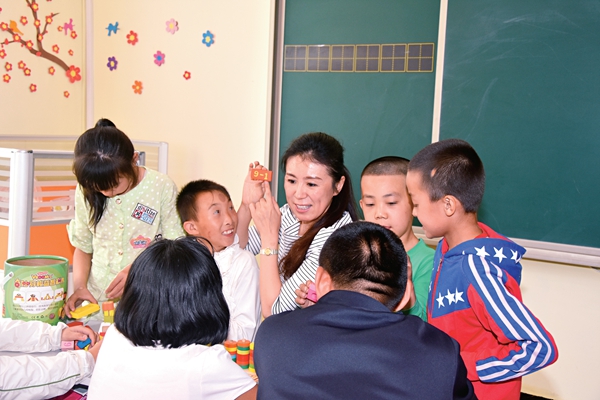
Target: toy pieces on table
column 108, row 309
column 67, row 345
column 83, row 344
column 261, row 174
column 312, row 293
column 231, row 347
column 243, row 353
column 84, row 311
column 251, row 365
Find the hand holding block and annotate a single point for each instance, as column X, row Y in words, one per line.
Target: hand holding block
column 312, row 294
column 261, row 174
column 84, row 311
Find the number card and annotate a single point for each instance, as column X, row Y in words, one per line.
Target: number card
column 261, row 174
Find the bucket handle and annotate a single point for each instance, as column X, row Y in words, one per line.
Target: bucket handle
column 7, row 278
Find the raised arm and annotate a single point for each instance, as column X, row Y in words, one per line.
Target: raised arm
column 267, row 219
column 253, row 191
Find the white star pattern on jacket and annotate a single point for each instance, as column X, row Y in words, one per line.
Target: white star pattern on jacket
column 452, row 298
column 481, row 251
column 499, row 254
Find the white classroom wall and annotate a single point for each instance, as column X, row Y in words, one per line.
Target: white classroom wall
column 216, row 122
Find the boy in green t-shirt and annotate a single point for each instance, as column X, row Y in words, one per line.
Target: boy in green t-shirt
column 385, row 201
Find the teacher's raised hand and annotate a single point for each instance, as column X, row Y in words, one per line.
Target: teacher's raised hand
column 267, row 218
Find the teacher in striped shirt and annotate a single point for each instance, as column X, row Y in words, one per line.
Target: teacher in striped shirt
column 289, row 239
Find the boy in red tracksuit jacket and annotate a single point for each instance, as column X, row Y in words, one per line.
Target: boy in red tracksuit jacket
column 474, row 295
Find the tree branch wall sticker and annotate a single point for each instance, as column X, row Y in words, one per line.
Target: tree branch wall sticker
column 33, row 40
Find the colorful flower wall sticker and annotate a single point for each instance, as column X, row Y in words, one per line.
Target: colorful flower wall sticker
column 55, row 48
column 172, row 26
column 51, row 70
column 73, row 74
column 2, row 53
column 112, row 63
column 32, row 87
column 6, row 78
column 112, row 28
column 159, row 58
column 132, row 38
column 187, row 75
column 66, row 94
column 208, row 38
column 137, row 87
column 8, row 66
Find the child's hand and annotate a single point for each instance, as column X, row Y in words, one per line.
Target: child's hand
column 302, row 293
column 80, row 332
column 267, row 218
column 94, row 350
column 253, row 190
column 115, row 289
column 77, row 298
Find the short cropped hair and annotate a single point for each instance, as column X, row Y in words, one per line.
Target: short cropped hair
column 369, row 259
column 186, row 200
column 451, row 167
column 173, row 297
column 388, row 165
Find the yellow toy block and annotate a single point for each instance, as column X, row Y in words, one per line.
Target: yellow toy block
column 85, row 311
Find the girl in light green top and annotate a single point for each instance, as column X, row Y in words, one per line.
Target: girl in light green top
column 119, row 209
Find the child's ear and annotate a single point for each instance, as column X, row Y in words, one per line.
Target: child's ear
column 136, row 157
column 406, row 298
column 191, row 228
column 451, row 205
column 362, row 207
column 323, row 282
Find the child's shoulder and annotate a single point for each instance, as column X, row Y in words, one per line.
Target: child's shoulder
column 421, row 253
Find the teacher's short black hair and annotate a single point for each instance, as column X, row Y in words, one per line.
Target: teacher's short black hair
column 173, row 297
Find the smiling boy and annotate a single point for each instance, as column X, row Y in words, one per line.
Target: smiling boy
column 385, row 201
column 206, row 211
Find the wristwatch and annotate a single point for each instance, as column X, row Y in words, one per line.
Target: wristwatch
column 268, row 252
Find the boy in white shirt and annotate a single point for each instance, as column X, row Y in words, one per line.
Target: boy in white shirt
column 206, row 211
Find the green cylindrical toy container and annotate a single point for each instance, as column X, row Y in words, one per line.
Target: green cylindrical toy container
column 35, row 288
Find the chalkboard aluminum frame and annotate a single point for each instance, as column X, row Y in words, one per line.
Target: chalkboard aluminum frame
column 536, row 250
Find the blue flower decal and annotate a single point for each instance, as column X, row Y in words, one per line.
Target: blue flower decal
column 112, row 63
column 208, row 38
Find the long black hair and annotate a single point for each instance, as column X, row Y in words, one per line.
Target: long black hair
column 325, row 150
column 103, row 154
column 173, row 297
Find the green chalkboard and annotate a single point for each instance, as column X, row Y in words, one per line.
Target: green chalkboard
column 372, row 114
column 522, row 85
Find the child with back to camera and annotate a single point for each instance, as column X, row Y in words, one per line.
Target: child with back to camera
column 206, row 210
column 169, row 326
column 474, row 295
column 119, row 208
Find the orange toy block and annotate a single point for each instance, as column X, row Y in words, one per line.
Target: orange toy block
column 261, row 175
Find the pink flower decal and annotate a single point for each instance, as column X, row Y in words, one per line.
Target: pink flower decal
column 172, row 26
column 159, row 58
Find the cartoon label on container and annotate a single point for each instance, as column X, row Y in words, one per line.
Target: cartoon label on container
column 35, row 292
